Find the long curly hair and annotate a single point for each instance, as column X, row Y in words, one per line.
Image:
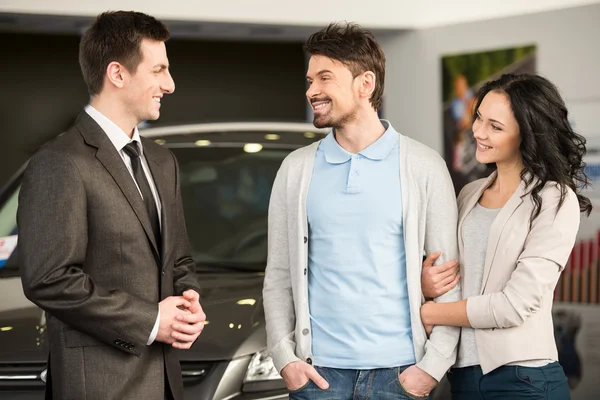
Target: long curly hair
column 550, row 149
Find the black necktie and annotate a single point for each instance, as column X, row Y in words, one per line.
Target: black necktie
column 136, row 165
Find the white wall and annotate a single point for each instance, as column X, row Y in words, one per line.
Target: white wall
column 395, row 14
column 278, row 12
column 567, row 54
column 442, row 12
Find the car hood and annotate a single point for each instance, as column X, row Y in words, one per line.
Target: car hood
column 232, row 303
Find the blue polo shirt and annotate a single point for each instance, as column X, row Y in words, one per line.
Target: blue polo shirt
column 358, row 298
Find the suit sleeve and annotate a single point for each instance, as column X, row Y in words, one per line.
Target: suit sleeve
column 53, row 237
column 184, row 270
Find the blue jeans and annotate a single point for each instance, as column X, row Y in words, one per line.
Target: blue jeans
column 352, row 384
column 510, row 382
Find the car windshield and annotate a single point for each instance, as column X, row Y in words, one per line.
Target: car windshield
column 225, row 186
column 226, row 195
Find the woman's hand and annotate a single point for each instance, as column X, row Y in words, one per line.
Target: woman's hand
column 440, row 279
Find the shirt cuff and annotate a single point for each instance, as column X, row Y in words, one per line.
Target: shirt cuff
column 283, row 354
column 154, row 332
column 435, row 364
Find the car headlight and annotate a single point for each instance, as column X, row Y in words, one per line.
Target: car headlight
column 262, row 374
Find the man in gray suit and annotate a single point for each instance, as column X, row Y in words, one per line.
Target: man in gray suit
column 102, row 241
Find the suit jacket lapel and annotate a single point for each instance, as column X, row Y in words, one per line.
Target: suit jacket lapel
column 112, row 161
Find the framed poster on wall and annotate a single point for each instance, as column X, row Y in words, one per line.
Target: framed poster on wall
column 462, row 76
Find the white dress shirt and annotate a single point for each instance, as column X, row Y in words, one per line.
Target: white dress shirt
column 120, row 139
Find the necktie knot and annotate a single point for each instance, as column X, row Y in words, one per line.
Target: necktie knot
column 131, row 149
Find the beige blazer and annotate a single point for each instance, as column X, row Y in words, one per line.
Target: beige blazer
column 513, row 312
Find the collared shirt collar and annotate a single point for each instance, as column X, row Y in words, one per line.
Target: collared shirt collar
column 116, row 135
column 336, row 154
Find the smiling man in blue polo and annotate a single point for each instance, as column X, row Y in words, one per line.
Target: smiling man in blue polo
column 350, row 218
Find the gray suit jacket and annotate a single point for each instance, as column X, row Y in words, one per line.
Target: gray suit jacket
column 89, row 259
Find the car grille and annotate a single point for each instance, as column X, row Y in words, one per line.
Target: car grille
column 21, row 376
column 27, row 375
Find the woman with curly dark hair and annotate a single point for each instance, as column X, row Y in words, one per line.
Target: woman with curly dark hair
column 516, row 231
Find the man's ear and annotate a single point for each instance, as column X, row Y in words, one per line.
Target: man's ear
column 367, row 84
column 116, row 74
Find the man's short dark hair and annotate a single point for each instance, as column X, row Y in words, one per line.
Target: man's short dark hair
column 116, row 36
column 354, row 47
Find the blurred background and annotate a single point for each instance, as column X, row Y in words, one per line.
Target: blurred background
column 242, row 61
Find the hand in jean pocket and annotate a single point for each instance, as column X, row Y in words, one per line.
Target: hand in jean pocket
column 298, row 373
